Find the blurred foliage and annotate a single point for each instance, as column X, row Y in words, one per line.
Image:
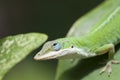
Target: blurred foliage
column 14, row 48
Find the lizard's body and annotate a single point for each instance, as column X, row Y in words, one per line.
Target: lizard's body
column 108, row 33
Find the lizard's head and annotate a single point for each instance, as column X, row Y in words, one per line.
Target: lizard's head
column 55, row 49
column 50, row 50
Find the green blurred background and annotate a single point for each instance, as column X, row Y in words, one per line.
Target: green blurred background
column 53, row 17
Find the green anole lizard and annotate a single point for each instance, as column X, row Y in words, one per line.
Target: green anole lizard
column 97, row 42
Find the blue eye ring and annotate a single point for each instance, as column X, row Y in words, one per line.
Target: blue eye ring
column 56, row 46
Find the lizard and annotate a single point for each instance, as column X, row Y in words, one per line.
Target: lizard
column 101, row 40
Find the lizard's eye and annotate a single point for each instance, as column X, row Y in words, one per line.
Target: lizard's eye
column 56, row 46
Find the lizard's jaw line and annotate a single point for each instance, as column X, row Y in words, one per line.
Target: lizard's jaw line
column 64, row 53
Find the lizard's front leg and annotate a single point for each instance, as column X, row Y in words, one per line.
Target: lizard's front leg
column 111, row 51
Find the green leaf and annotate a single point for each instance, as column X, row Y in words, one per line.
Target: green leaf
column 14, row 48
column 88, row 69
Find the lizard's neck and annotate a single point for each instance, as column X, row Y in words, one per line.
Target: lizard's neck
column 73, row 42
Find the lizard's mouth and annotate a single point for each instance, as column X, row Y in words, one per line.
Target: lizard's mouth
column 56, row 54
column 51, row 55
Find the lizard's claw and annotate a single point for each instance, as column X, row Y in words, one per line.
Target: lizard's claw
column 108, row 67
